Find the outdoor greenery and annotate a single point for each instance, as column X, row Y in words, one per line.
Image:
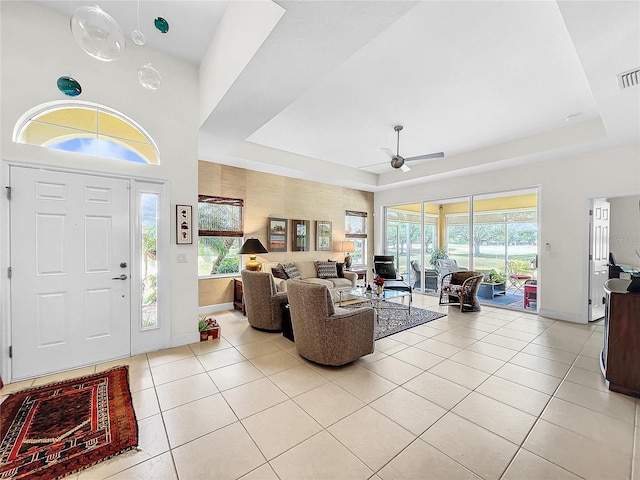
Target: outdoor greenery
column 218, row 254
column 438, row 254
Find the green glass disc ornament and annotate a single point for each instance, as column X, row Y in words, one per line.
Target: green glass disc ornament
column 161, row 24
column 69, row 86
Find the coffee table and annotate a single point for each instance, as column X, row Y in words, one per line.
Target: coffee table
column 376, row 300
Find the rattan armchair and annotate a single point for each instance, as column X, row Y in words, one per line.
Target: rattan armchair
column 461, row 289
column 324, row 334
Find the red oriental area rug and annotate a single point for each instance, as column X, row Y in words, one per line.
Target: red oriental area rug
column 54, row 430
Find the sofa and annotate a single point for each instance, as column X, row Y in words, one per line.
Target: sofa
column 314, row 272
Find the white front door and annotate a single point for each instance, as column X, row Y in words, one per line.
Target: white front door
column 598, row 258
column 70, row 286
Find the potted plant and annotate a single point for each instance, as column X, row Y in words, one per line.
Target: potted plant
column 496, row 277
column 438, row 254
column 207, row 327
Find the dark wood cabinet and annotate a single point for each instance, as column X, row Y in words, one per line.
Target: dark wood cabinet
column 621, row 350
column 238, row 299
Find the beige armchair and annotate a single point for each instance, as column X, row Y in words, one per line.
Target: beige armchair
column 262, row 301
column 324, row 334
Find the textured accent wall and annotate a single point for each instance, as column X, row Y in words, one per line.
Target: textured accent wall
column 266, row 195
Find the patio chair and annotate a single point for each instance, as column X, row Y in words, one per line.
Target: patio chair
column 430, row 276
column 461, row 289
column 517, row 278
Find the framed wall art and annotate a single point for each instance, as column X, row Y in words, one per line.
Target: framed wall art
column 277, row 235
column 184, row 217
column 300, row 232
column 323, row 235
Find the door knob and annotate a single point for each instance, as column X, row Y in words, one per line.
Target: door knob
column 121, row 277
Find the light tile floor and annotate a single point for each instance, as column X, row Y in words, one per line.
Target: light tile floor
column 497, row 394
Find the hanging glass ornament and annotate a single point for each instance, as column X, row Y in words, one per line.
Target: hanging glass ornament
column 97, row 33
column 161, row 24
column 149, row 77
column 69, row 86
column 137, row 36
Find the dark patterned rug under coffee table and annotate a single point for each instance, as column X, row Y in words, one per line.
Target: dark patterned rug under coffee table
column 395, row 318
column 54, row 430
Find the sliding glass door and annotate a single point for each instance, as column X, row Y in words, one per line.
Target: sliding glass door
column 490, row 233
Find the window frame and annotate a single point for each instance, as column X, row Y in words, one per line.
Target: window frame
column 236, row 234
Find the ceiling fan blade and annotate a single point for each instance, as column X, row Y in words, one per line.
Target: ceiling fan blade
column 425, row 157
column 388, row 152
column 405, row 168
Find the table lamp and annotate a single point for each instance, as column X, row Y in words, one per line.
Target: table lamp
column 252, row 247
column 346, row 248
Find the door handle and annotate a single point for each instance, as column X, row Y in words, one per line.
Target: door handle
column 121, row 277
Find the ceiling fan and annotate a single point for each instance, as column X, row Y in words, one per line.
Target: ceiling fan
column 398, row 161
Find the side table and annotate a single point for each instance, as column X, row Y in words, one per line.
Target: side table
column 491, row 289
column 238, row 298
column 287, row 329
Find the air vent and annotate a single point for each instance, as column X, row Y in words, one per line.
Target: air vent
column 629, row 79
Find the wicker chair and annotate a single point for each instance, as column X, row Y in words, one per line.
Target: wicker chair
column 461, row 288
column 262, row 301
column 325, row 334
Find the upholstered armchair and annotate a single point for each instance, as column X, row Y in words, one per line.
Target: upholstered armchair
column 262, row 301
column 461, row 288
column 325, row 334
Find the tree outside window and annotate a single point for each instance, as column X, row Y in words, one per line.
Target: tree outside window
column 220, row 232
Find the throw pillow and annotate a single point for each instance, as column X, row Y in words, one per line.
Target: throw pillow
column 278, row 272
column 339, row 268
column 326, row 270
column 292, row 271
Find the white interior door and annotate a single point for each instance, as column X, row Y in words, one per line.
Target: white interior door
column 70, row 286
column 598, row 258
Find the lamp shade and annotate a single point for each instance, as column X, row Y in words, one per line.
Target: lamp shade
column 348, row 246
column 252, row 247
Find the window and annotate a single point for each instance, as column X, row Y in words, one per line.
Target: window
column 355, row 230
column 149, row 214
column 87, row 128
column 220, row 232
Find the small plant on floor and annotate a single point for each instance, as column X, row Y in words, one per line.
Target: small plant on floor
column 205, row 324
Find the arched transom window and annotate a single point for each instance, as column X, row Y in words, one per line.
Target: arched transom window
column 87, row 128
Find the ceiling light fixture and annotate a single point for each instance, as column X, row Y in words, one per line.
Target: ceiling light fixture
column 137, row 36
column 149, row 77
column 97, row 33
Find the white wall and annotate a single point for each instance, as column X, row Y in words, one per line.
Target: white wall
column 566, row 186
column 624, row 240
column 37, row 48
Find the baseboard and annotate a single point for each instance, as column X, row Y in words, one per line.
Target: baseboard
column 561, row 316
column 220, row 307
column 185, row 339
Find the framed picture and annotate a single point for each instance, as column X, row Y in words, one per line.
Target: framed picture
column 300, row 231
column 323, row 235
column 277, row 235
column 184, row 219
